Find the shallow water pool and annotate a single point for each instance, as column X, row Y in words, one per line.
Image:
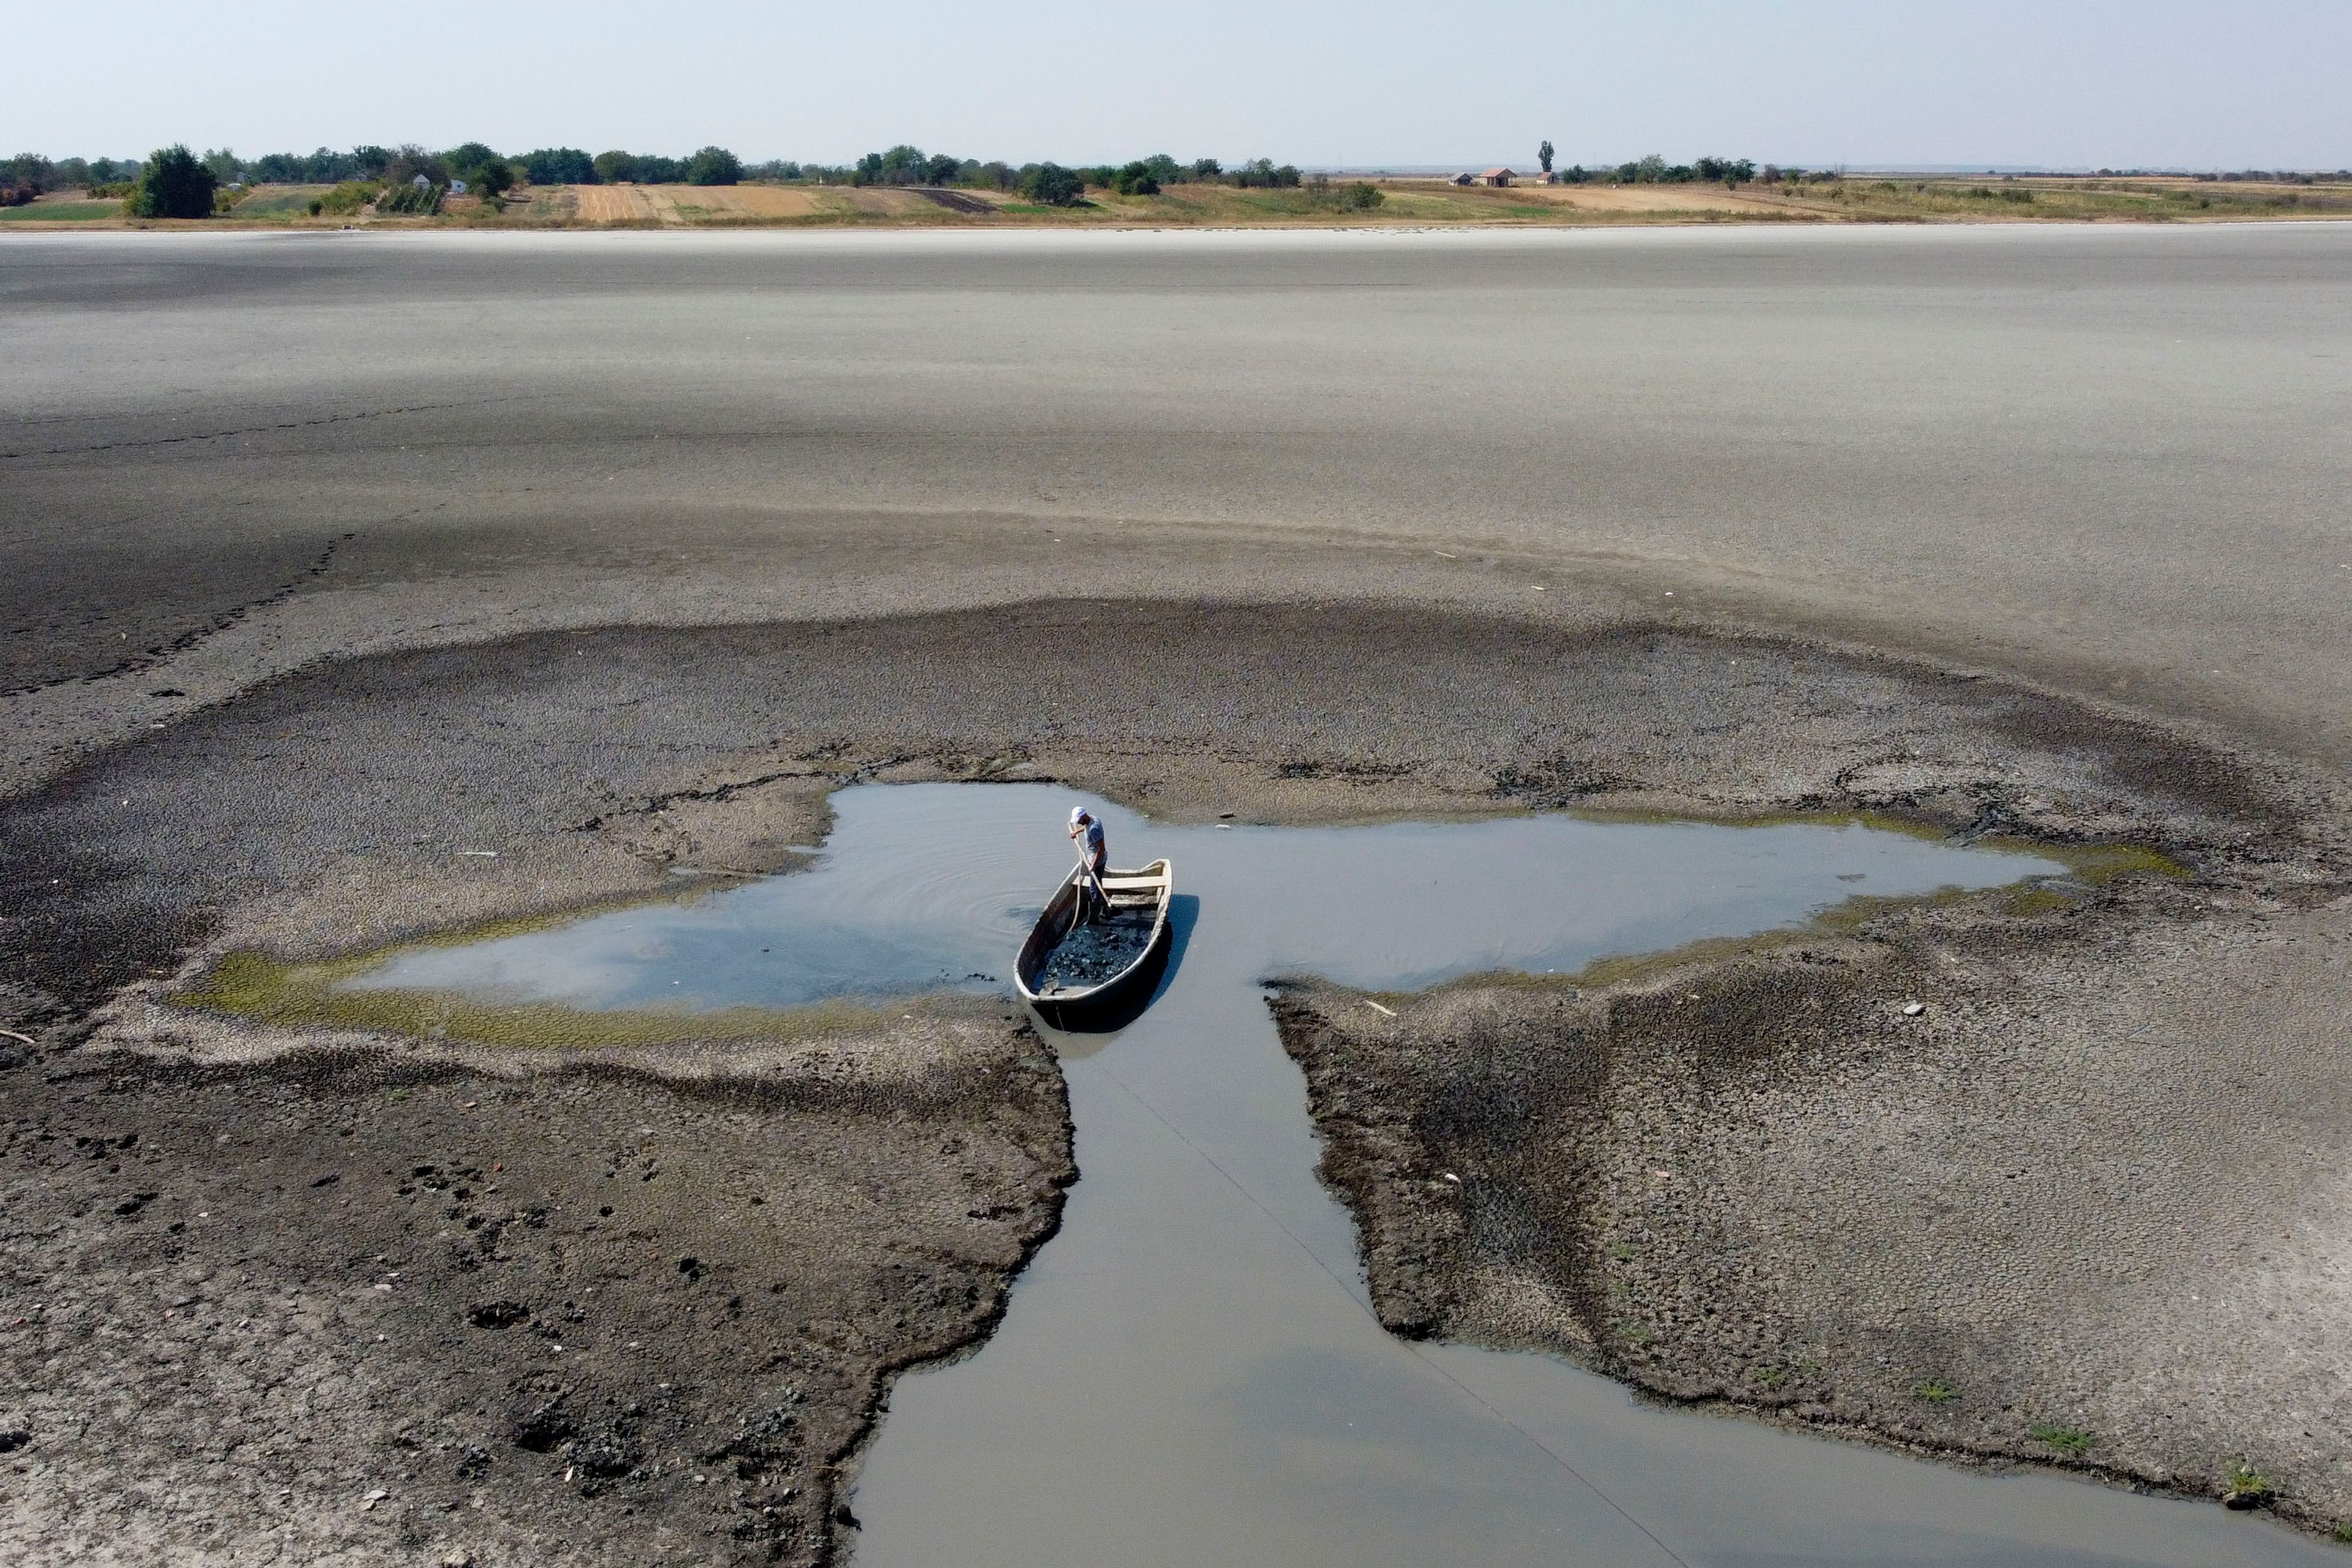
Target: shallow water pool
column 1190, row 1372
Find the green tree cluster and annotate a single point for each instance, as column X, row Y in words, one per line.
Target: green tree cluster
column 714, row 166
column 558, row 167
column 1355, row 197
column 324, row 166
column 1053, row 185
column 173, row 183
column 1262, row 174
column 25, row 176
column 480, row 169
column 1655, row 170
column 708, row 166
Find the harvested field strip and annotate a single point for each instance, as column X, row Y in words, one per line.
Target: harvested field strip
column 616, row 204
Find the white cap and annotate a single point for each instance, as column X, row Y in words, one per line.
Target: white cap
column 1078, row 814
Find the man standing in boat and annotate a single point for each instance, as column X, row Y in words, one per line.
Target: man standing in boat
column 1094, row 854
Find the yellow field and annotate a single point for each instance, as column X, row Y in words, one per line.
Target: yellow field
column 684, row 205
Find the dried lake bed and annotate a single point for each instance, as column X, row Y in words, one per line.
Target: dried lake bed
column 367, row 589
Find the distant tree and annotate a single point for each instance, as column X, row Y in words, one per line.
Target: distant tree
column 559, row 167
column 173, row 183
column 616, row 167
column 320, row 167
column 901, row 165
column 1649, row 171
column 939, row 168
column 999, row 174
column 409, row 160
column 1207, row 169
column 1262, row 174
column 1053, row 185
column 1361, row 195
column 485, row 174
column 714, row 166
column 224, row 164
column 1136, row 179
column 25, row 176
column 655, row 170
column 1543, row 155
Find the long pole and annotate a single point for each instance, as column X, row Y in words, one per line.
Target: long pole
column 1087, row 878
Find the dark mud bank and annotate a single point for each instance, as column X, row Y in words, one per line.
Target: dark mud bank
column 1996, row 1187
column 410, row 1312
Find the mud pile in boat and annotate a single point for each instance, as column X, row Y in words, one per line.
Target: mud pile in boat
column 1096, row 951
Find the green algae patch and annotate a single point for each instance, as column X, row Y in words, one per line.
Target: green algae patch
column 307, row 995
column 2033, row 899
column 2096, row 864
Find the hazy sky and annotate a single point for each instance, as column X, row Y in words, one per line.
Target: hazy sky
column 2059, row 82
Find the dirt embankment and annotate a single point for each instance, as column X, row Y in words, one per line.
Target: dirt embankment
column 349, row 1304
column 2006, row 1179
column 904, row 1176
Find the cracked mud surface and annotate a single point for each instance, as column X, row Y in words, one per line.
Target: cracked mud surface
column 355, row 1307
column 2067, row 1213
column 323, row 812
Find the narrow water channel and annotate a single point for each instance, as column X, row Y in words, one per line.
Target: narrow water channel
column 1190, row 1372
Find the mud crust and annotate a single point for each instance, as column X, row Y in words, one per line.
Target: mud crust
column 323, row 813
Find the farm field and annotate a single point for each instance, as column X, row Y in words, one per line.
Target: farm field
column 75, row 211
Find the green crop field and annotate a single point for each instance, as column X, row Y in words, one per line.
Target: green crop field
column 61, row 212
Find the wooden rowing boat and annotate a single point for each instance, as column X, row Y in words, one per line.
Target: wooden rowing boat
column 1138, row 902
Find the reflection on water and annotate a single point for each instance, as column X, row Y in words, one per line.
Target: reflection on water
column 926, row 886
column 1190, row 1373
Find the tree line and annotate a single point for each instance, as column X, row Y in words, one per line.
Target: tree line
column 1653, row 170
column 484, row 171
column 476, row 165
column 28, row 174
column 412, row 178
column 1054, row 184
